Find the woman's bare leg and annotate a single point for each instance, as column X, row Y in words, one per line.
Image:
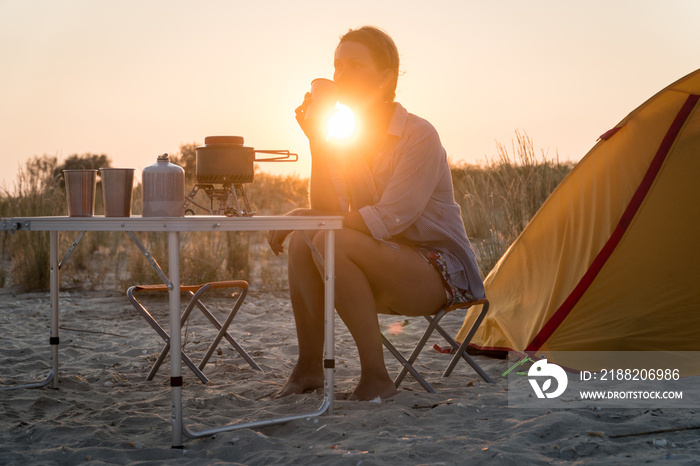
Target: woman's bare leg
column 368, row 274
column 306, row 291
column 371, row 274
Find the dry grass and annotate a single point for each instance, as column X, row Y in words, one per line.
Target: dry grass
column 500, row 198
column 497, row 201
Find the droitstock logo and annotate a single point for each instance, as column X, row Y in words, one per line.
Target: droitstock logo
column 546, row 372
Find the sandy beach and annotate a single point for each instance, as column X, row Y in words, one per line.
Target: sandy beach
column 105, row 412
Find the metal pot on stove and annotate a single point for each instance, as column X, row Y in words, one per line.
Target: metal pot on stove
column 224, row 159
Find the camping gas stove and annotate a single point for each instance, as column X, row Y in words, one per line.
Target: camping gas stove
column 224, row 166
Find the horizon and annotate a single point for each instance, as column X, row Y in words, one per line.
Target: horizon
column 132, row 80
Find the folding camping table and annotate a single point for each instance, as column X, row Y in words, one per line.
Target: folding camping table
column 173, row 226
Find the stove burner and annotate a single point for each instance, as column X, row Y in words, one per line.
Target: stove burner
column 225, row 161
column 229, row 200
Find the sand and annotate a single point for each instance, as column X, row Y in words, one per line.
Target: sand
column 105, row 412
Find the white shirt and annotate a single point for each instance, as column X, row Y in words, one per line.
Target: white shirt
column 407, row 197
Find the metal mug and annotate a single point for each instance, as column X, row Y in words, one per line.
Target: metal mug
column 117, row 189
column 324, row 96
column 80, row 192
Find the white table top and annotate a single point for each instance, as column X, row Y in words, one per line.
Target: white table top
column 165, row 224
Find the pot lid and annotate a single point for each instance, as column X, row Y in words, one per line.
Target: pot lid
column 237, row 140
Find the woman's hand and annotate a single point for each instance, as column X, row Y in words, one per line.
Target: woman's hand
column 313, row 127
column 275, row 238
column 301, row 115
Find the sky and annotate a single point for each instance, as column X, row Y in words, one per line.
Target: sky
column 135, row 79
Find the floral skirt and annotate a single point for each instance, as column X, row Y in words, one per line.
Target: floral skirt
column 455, row 295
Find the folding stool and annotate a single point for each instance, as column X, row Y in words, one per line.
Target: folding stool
column 196, row 292
column 460, row 350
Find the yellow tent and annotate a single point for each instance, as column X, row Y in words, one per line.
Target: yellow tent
column 611, row 261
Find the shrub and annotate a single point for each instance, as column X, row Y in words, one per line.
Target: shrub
column 497, row 199
column 500, row 198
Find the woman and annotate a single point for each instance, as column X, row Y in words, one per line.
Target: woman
column 403, row 248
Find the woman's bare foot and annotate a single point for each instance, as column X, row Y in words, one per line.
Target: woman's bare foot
column 371, row 389
column 300, row 382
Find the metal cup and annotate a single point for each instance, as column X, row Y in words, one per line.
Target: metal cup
column 324, row 96
column 80, row 192
column 117, row 188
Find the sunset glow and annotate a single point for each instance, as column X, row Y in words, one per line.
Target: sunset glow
column 395, row 328
column 341, row 123
column 132, row 80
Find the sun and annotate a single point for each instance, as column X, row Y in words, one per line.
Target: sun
column 341, row 123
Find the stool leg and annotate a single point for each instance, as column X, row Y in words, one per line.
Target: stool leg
column 159, row 361
column 183, row 320
column 223, row 332
column 465, row 356
column 462, row 350
column 186, row 359
column 407, row 366
column 164, row 335
column 433, row 322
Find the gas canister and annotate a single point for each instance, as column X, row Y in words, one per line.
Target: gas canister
column 163, row 188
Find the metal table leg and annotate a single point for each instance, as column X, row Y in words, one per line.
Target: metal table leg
column 329, row 319
column 328, row 358
column 175, row 337
column 54, row 286
column 52, row 376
